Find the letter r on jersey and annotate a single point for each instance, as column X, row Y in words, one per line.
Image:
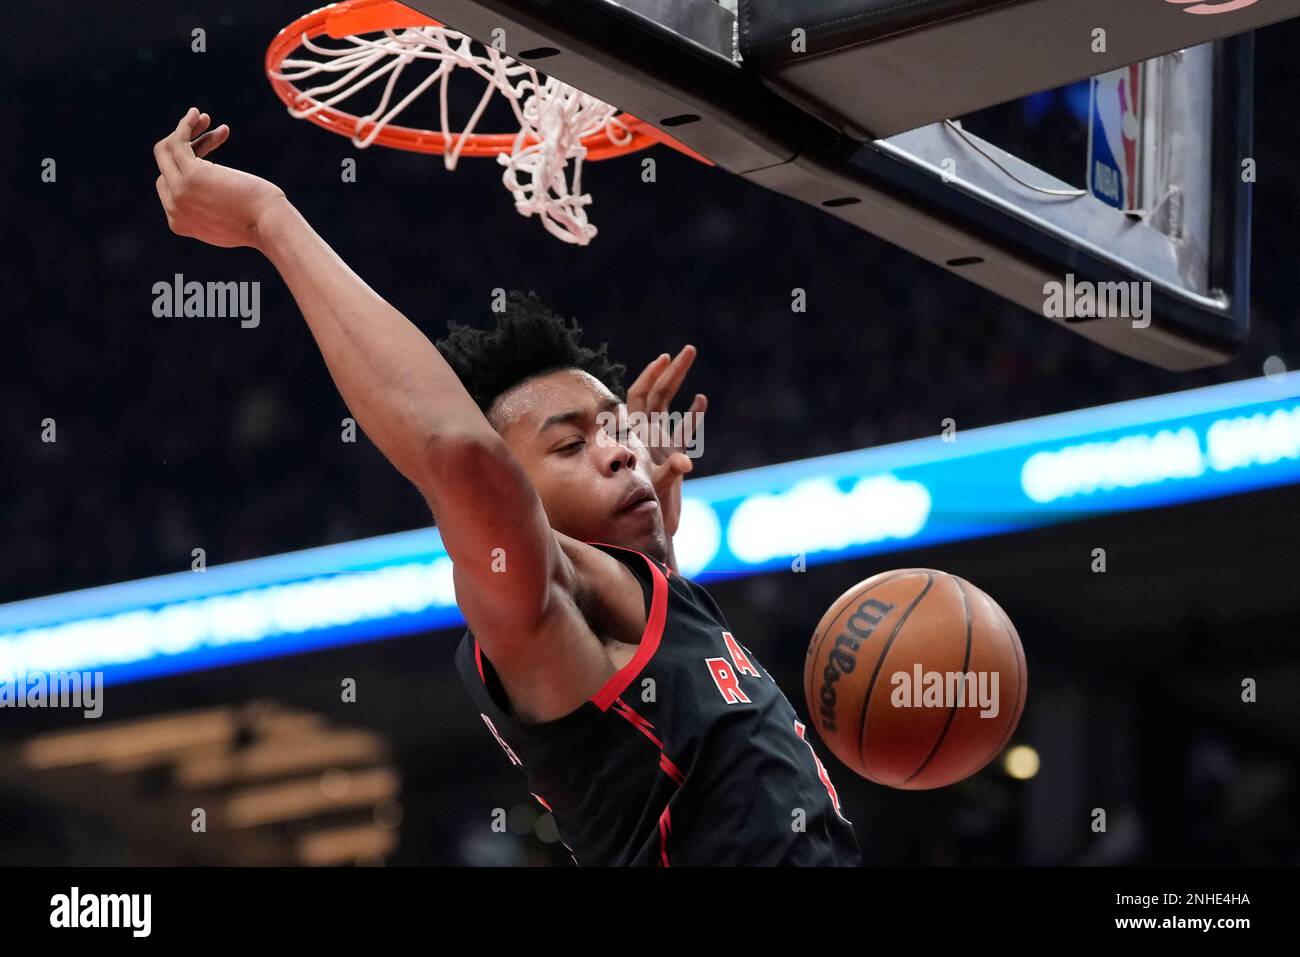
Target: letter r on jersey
column 727, row 680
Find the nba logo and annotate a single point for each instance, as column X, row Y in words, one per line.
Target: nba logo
column 1214, row 6
column 1115, row 137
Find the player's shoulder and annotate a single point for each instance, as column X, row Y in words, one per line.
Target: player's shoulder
column 701, row 595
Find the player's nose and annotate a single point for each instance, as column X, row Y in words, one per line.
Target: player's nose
column 614, row 457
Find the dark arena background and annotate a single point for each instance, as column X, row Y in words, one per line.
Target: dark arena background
column 205, row 465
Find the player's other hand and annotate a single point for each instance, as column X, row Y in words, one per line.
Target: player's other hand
column 652, row 394
column 211, row 203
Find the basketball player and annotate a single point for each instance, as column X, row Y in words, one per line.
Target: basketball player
column 646, row 728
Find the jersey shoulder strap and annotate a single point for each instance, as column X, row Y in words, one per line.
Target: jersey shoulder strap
column 488, row 692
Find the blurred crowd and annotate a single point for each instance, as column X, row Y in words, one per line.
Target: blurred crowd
column 175, row 434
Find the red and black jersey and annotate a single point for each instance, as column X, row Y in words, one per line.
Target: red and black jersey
column 689, row 755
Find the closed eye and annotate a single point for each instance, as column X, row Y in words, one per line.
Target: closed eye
column 571, row 447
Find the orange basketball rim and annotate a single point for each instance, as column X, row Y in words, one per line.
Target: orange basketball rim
column 355, row 17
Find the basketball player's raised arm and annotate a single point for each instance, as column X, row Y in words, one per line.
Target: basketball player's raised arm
column 402, row 392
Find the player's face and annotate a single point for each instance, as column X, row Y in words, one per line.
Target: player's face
column 594, row 484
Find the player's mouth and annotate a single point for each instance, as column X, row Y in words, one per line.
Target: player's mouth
column 638, row 501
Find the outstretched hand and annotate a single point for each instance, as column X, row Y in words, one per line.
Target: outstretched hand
column 214, row 204
column 651, row 394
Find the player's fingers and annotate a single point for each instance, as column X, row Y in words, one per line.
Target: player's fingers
column 181, row 134
column 662, row 392
column 664, row 476
column 699, row 405
column 677, row 464
column 210, row 141
column 691, row 423
column 178, row 142
column 667, row 478
column 199, row 126
column 636, row 393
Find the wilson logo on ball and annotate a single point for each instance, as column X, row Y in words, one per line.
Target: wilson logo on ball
column 843, row 657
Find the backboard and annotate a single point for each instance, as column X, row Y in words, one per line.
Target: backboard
column 1091, row 162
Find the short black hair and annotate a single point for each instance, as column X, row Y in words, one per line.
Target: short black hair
column 529, row 340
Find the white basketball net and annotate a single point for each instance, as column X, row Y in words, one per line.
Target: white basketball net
column 553, row 116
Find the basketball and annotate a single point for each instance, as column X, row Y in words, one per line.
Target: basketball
column 915, row 679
